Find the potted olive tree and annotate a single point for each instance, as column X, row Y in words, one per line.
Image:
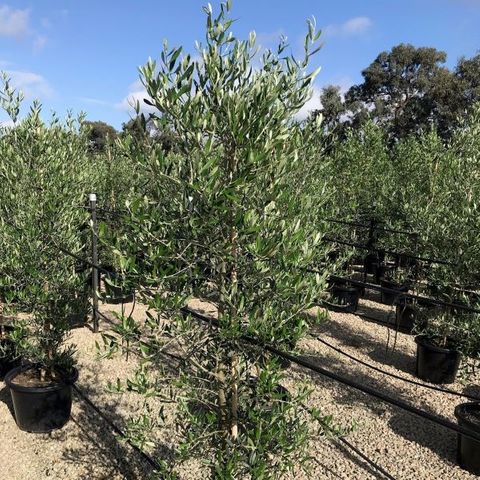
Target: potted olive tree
column 225, row 221
column 43, row 178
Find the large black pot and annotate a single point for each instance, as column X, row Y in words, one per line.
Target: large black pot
column 436, row 364
column 468, row 449
column 41, row 409
column 345, row 297
column 371, row 259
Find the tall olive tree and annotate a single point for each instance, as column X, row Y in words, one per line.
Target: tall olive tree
column 226, row 220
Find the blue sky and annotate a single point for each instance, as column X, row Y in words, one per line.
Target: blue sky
column 83, row 55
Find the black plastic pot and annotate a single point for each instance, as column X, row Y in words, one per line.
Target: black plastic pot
column 406, row 314
column 116, row 294
column 345, row 297
column 436, row 364
column 389, row 297
column 41, row 409
column 468, row 449
column 371, row 259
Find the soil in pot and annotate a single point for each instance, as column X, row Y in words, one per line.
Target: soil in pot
column 40, row 405
column 436, row 364
column 344, row 297
column 468, row 449
column 394, row 291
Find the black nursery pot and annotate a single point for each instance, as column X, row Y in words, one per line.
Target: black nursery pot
column 389, row 297
column 116, row 294
column 468, row 449
column 436, row 364
column 371, row 259
column 346, row 297
column 41, row 409
column 406, row 314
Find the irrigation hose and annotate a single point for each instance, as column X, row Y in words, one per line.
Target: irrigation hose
column 398, row 377
column 351, row 383
column 117, row 430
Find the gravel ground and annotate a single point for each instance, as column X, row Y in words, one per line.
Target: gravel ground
column 404, row 445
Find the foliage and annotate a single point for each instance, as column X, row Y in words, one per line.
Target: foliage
column 406, row 90
column 43, row 179
column 100, row 135
column 226, row 220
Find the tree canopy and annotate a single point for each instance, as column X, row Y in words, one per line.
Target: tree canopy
column 406, row 90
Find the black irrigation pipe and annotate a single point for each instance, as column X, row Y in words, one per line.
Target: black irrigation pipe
column 350, row 446
column 117, row 430
column 362, row 225
column 379, row 288
column 365, row 458
column 413, row 382
column 341, row 379
column 389, row 252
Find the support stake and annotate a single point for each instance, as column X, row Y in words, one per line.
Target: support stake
column 95, row 286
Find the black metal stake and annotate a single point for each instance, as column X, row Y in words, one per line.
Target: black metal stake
column 95, row 286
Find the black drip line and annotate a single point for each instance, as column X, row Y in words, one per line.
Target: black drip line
column 339, row 378
column 112, row 425
column 398, row 377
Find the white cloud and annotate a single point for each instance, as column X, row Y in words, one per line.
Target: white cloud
column 6, row 124
column 137, row 93
column 95, row 101
column 32, row 84
column 353, row 27
column 39, row 43
column 14, row 23
column 270, row 40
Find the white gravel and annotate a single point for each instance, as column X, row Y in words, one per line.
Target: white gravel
column 404, row 445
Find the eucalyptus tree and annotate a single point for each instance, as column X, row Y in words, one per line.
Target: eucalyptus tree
column 225, row 220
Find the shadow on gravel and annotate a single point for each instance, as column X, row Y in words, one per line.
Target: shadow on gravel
column 376, row 313
column 98, row 449
column 375, row 348
column 424, row 432
column 6, row 398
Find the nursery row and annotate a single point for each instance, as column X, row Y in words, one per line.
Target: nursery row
column 236, row 214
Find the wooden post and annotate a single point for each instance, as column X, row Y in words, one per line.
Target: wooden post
column 95, row 286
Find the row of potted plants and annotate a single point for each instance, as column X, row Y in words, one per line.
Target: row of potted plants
column 445, row 334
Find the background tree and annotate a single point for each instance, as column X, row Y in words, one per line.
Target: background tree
column 100, row 135
column 333, row 107
column 397, row 88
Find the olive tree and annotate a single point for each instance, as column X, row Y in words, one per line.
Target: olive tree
column 44, row 173
column 224, row 219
